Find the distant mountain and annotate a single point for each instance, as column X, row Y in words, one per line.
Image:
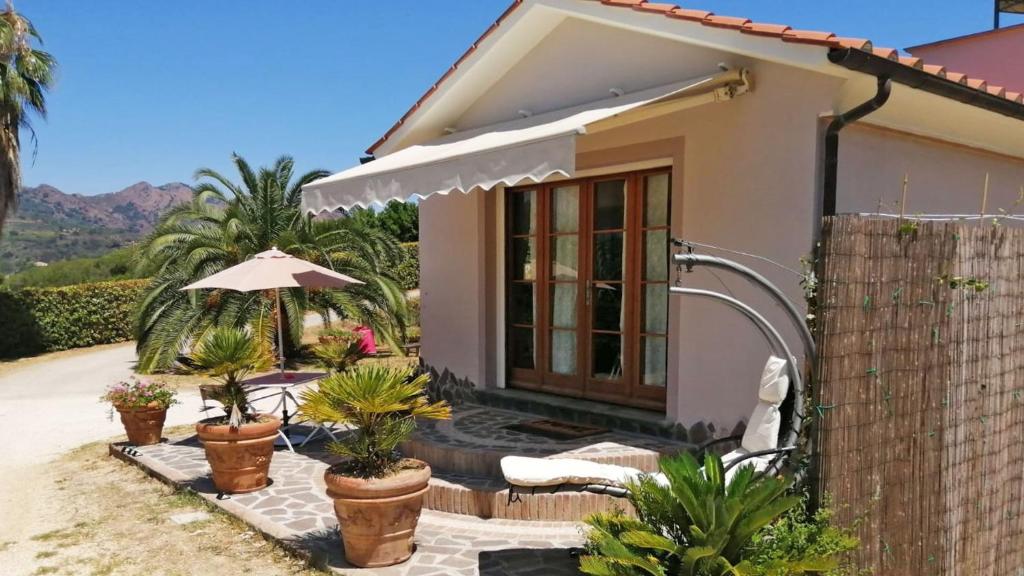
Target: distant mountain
column 51, row 225
column 135, row 208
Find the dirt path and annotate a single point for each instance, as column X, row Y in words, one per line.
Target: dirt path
column 94, row 515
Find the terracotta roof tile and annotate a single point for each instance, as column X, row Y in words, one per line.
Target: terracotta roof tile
column 655, row 7
column 956, row 77
column 684, row 14
column 810, row 37
column 744, row 25
column 911, row 61
column 762, row 29
column 888, row 53
column 726, row 22
column 856, row 44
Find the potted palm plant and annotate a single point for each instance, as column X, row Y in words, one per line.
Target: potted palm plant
column 377, row 493
column 143, row 406
column 337, row 350
column 239, row 444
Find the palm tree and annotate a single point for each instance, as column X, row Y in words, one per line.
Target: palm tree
column 225, row 224
column 26, row 73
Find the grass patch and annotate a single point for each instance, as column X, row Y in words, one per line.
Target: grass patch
column 46, row 570
column 44, row 554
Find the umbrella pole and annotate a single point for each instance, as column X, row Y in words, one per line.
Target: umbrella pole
column 280, row 329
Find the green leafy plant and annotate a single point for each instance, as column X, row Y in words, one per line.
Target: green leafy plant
column 797, row 535
column 27, row 74
column 337, row 350
column 228, row 355
column 140, row 393
column 382, row 403
column 38, row 320
column 698, row 525
column 227, row 223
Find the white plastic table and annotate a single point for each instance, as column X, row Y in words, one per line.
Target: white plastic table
column 283, row 383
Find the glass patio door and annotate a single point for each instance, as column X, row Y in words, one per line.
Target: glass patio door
column 587, row 285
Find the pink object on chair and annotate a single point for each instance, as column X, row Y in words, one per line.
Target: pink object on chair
column 367, row 344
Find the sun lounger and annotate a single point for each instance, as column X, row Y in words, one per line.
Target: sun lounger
column 758, row 448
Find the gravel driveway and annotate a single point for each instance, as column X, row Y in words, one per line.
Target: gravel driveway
column 51, row 406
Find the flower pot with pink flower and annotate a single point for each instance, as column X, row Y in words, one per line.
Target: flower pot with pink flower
column 142, row 405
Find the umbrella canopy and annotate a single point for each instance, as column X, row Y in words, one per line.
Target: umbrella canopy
column 274, row 269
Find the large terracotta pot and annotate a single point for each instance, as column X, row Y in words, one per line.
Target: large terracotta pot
column 239, row 458
column 377, row 517
column 144, row 426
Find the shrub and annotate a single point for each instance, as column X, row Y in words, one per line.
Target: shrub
column 38, row 320
column 338, row 349
column 697, row 524
column 229, row 354
column 798, row 534
column 407, row 270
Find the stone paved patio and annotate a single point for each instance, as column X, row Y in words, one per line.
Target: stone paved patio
column 295, row 511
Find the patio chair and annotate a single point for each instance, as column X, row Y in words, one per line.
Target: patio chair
column 759, row 447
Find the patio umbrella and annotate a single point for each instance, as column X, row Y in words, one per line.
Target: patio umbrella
column 274, row 269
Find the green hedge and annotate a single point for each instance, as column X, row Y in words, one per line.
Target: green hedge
column 37, row 320
column 407, row 271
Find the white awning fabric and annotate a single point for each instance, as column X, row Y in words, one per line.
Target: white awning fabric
column 524, row 150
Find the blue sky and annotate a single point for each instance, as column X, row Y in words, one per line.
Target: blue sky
column 153, row 90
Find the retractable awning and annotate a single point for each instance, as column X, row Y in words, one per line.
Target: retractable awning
column 526, row 149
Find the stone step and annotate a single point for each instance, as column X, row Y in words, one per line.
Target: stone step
column 581, row 411
column 488, row 498
column 475, row 440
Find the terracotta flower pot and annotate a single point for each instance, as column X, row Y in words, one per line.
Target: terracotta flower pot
column 240, row 458
column 377, row 517
column 144, row 425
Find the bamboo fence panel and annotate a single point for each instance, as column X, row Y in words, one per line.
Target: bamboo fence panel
column 920, row 401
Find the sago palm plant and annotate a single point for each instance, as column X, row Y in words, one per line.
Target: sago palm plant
column 698, row 525
column 228, row 355
column 382, row 404
column 26, row 73
column 227, row 223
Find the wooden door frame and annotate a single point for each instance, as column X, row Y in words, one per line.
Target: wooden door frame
column 629, row 390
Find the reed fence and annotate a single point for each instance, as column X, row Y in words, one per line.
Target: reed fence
column 920, row 395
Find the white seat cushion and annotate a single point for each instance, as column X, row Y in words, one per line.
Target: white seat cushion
column 523, row 471
column 774, row 381
column 762, row 429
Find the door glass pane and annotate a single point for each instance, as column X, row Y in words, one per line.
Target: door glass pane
column 523, row 208
column 608, row 258
column 654, row 361
column 656, row 308
column 607, row 356
column 565, row 257
column 563, row 352
column 656, row 255
column 563, row 305
column 565, row 209
column 521, row 348
column 524, row 255
column 521, row 306
column 610, row 205
column 656, row 200
column 607, row 300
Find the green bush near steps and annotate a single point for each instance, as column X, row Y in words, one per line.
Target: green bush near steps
column 37, row 320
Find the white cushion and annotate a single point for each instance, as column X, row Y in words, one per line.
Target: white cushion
column 763, row 428
column 523, row 471
column 774, row 381
column 759, row 463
